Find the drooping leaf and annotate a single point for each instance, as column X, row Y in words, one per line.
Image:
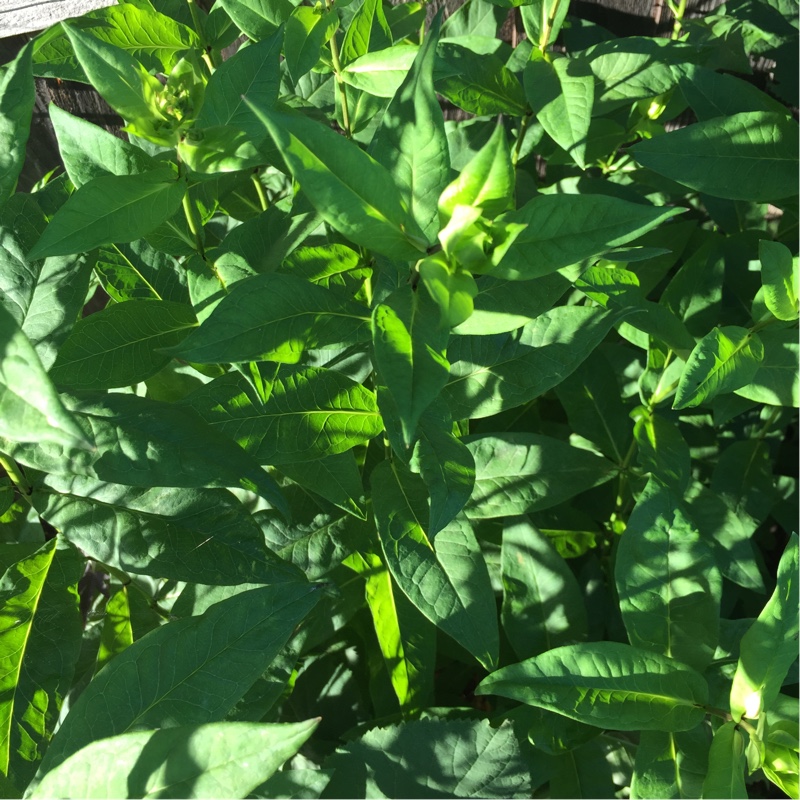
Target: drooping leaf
column 662, row 451
column 748, row 156
column 607, row 684
column 17, row 96
column 599, row 767
column 780, row 276
column 212, row 659
column 565, row 229
column 445, row 575
column 520, row 472
column 679, row 615
column 111, row 208
column 726, row 764
column 30, row 408
column 258, row 19
column 215, row 760
column 670, row 765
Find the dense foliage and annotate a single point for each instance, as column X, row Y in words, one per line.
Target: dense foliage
column 408, row 457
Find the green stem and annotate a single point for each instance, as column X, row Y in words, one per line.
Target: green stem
column 15, row 473
column 678, row 13
column 337, row 70
column 718, row 712
column 194, row 223
column 520, row 136
column 262, row 196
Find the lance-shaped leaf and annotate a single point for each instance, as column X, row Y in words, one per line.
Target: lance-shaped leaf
column 542, row 603
column 411, row 142
column 30, row 408
column 111, row 208
column 189, row 671
column 563, row 229
column 724, row 360
column 748, row 156
column 216, row 760
column 769, row 647
column 489, row 374
column 606, row 684
column 407, row 640
column 40, row 639
column 382, row 73
column 310, row 413
column 368, row 30
column 676, row 615
column 143, row 442
column 670, row 764
column 307, row 30
column 726, row 764
column 351, row 191
column 409, row 341
column 520, row 472
column 444, row 576
column 561, row 94
column 17, row 96
column 258, row 19
column 779, row 274
column 117, row 346
column 274, row 317
column 200, row 535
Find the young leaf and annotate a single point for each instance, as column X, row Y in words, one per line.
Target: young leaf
column 40, row 635
column 310, row 413
column 188, row 760
column 777, row 381
column 565, row 229
column 111, row 208
column 258, row 19
column 30, row 408
column 561, row 94
column 411, row 142
column 444, row 576
column 679, row 617
column 780, row 276
column 520, row 472
column 214, row 657
column 606, row 684
column 17, row 96
column 724, row 360
column 117, row 346
column 350, row 190
column 670, row 764
column 363, row 34
column 380, row 74
column 489, row 374
column 307, row 30
column 542, row 603
column 749, row 156
column 409, row 340
column 726, row 764
column 770, row 645
column 273, row 318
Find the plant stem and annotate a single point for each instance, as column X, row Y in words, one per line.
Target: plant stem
column 13, row 471
column 194, row 224
column 262, row 197
column 678, row 12
column 337, row 70
column 523, row 127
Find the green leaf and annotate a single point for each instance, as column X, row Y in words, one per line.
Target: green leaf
column 258, row 19
column 769, row 647
column 310, row 413
column 40, row 634
column 606, row 684
column 111, row 208
column 307, row 30
column 776, row 381
column 252, row 72
column 726, row 763
column 561, row 94
column 216, row 760
column 445, row 464
column 670, row 764
column 89, row 151
column 200, row 535
column 381, row 74
column 489, row 374
column 350, row 190
column 748, row 156
column 411, row 142
column 481, row 86
column 678, row 617
column 565, row 229
column 516, row 473
column 538, row 12
column 408, row 341
column 163, row 444
column 486, row 183
column 273, row 318
column 542, row 603
column 117, row 633
column 433, row 758
column 212, row 659
column 445, row 575
column 662, row 451
column 117, row 346
column 724, row 360
column 17, row 97
column 780, row 276
column 30, row 408
column 364, row 35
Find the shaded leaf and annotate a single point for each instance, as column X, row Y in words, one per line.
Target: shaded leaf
column 17, row 96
